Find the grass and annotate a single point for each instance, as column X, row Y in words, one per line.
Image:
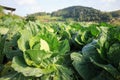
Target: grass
column 48, row 18
column 115, row 22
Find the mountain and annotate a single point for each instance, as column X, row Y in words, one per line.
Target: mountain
column 78, row 13
column 115, row 14
column 81, row 13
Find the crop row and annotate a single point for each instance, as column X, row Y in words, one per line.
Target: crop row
column 58, row 51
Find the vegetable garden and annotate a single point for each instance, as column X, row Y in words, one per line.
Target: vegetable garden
column 58, row 51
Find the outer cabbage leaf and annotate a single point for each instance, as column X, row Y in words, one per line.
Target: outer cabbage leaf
column 20, row 66
column 114, row 54
column 101, row 42
column 23, row 42
column 15, row 76
column 95, row 31
column 11, row 47
column 109, row 68
column 83, row 67
column 90, row 51
column 53, row 71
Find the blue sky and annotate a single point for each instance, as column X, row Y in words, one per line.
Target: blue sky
column 24, row 7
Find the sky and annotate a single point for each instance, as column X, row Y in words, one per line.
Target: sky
column 24, row 7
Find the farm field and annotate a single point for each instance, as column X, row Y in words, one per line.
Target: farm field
column 32, row 50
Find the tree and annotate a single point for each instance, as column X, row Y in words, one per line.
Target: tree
column 30, row 18
column 106, row 17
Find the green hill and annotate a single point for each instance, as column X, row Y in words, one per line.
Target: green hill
column 80, row 13
column 115, row 14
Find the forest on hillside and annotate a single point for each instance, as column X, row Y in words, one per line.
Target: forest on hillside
column 80, row 13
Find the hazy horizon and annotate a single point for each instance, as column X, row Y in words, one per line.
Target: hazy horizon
column 24, row 7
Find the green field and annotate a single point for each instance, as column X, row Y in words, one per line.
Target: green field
column 36, row 50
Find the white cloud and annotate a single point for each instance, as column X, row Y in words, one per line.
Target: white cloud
column 26, row 2
column 108, row 0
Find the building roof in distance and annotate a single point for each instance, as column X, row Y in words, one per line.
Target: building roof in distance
column 8, row 8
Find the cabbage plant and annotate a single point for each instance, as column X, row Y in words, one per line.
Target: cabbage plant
column 99, row 60
column 43, row 56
